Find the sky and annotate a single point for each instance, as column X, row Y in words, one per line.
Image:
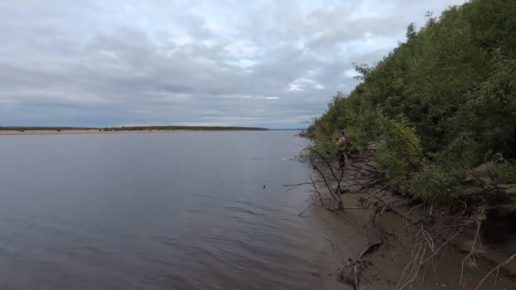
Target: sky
column 266, row 63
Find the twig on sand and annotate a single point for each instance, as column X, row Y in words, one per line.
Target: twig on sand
column 297, row 184
column 472, row 256
column 307, row 208
column 293, row 186
column 428, row 243
column 357, row 266
column 316, row 190
column 376, row 192
column 497, row 269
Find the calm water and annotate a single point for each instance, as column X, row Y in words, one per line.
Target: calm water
column 155, row 211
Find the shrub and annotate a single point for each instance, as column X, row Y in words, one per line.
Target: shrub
column 437, row 103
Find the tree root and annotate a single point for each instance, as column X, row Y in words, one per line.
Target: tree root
column 497, row 269
column 427, row 232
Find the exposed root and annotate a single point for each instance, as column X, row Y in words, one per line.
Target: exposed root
column 497, row 269
column 427, row 232
column 427, row 245
column 472, row 256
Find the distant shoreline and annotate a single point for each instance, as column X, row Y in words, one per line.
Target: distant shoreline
column 91, row 131
column 97, row 131
column 118, row 130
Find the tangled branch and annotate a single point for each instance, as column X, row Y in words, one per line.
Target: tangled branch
column 354, row 270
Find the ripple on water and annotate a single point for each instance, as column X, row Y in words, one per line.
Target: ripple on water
column 156, row 211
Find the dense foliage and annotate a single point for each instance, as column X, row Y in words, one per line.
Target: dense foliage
column 439, row 104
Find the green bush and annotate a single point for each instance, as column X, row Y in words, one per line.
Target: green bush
column 435, row 183
column 437, row 103
column 505, row 170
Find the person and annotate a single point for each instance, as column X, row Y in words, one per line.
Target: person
column 340, row 143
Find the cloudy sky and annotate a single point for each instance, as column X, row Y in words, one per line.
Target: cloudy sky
column 271, row 63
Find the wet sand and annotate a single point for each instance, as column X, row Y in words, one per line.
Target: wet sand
column 348, row 233
column 348, row 237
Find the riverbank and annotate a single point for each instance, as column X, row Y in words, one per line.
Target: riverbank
column 348, row 235
column 372, row 214
column 431, row 115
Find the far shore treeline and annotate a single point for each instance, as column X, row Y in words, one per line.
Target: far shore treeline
column 133, row 128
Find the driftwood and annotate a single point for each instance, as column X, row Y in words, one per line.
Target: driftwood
column 353, row 271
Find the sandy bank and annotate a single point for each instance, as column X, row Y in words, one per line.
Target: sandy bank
column 348, row 232
column 90, row 131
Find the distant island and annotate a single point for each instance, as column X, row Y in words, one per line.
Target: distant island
column 35, row 130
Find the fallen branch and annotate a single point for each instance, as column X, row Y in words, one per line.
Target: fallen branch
column 472, row 256
column 325, row 161
column 316, row 190
column 376, row 192
column 369, row 249
column 328, row 185
column 307, row 208
column 497, row 269
column 357, row 266
column 297, row 184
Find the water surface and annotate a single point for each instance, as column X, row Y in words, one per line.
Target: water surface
column 155, row 211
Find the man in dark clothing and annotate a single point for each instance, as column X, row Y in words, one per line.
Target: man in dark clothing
column 340, row 143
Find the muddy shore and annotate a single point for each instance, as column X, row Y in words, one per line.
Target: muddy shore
column 347, row 236
column 349, row 231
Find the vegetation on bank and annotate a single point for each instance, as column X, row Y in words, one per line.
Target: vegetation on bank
column 136, row 128
column 437, row 106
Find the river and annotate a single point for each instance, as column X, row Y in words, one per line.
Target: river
column 204, row 210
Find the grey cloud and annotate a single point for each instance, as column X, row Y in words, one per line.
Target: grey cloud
column 119, row 62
